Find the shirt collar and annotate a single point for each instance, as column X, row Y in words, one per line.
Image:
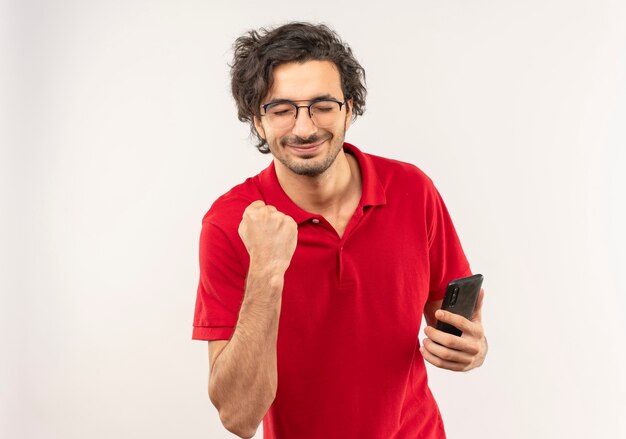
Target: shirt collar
column 373, row 193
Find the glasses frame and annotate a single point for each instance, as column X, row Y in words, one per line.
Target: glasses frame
column 297, row 107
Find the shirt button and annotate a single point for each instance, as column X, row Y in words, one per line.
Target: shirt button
column 315, row 221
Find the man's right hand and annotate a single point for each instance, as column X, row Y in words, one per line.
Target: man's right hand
column 243, row 390
column 270, row 236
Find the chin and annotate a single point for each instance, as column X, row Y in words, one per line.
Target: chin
column 309, row 167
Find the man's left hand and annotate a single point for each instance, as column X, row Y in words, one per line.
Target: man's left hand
column 451, row 352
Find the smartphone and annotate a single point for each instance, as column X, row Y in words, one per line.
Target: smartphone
column 461, row 296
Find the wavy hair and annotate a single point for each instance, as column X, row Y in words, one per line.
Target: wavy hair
column 257, row 53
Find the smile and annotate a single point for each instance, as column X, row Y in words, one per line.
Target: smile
column 309, row 148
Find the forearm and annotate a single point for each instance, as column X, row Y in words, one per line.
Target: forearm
column 244, row 379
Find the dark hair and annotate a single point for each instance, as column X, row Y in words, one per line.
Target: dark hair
column 257, row 53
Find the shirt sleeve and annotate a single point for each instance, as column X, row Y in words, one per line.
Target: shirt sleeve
column 221, row 285
column 446, row 257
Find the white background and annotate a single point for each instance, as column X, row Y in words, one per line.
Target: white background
column 118, row 131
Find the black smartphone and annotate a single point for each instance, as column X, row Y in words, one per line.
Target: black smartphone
column 461, row 296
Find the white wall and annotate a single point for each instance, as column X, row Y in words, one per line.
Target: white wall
column 119, row 131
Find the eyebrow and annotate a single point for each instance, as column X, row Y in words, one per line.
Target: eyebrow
column 316, row 98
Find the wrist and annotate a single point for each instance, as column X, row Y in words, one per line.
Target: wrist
column 266, row 274
column 267, row 268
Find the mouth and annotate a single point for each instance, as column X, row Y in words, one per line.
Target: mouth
column 307, row 148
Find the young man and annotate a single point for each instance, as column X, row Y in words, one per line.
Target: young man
column 315, row 273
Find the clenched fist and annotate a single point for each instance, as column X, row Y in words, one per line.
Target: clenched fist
column 270, row 236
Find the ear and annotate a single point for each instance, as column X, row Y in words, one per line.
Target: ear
column 349, row 114
column 259, row 127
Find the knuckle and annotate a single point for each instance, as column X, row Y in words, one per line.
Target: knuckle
column 459, row 343
column 252, row 207
column 450, row 340
column 290, row 222
column 454, row 343
column 447, row 355
column 250, row 211
column 473, row 348
column 464, row 325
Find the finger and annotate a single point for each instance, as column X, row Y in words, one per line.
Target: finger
column 253, row 208
column 257, row 203
column 455, row 320
column 452, row 341
column 446, row 353
column 441, row 363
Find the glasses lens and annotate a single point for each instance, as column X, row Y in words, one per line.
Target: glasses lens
column 324, row 113
column 281, row 114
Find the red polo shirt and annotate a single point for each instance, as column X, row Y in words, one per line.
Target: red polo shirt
column 349, row 364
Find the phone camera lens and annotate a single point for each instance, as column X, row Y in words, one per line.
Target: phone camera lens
column 455, row 295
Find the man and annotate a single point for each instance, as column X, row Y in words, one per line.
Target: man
column 315, row 273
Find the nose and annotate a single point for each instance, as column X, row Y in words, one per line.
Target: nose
column 303, row 126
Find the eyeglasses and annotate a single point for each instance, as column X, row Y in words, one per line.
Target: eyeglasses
column 283, row 114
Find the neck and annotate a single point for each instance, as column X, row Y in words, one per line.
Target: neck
column 323, row 193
